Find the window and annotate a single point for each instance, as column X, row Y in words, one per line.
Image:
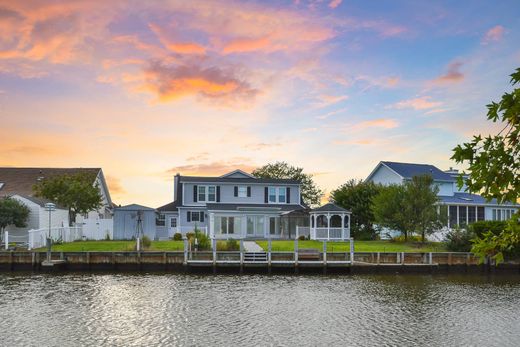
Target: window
column 173, row 222
column 242, row 192
column 462, row 215
column 278, row 194
column 272, row 194
column 499, row 214
column 226, row 225
column 207, row 193
column 195, row 217
column 159, row 221
column 281, row 194
column 250, row 225
column 494, row 214
column 480, row 213
column 453, row 216
column 471, row 214
column 202, row 193
column 212, row 193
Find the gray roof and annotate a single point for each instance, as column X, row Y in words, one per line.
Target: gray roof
column 471, row 199
column 172, row 206
column 409, row 170
column 244, row 180
column 330, row 207
column 20, row 180
column 243, row 207
column 134, row 207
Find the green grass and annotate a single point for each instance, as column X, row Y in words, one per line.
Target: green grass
column 359, row 246
column 115, row 246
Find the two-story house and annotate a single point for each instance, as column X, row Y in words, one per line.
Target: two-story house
column 235, row 205
column 463, row 208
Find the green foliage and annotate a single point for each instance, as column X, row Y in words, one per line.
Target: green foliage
column 310, row 192
column 459, row 240
column 12, row 212
column 204, row 243
column 410, row 208
column 190, row 235
column 146, row 242
column 481, row 227
column 177, row 237
column 494, row 171
column 401, row 238
column 301, row 237
column 107, row 237
column 75, row 192
column 357, row 196
column 232, row 245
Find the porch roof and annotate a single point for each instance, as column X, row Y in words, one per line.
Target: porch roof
column 330, row 207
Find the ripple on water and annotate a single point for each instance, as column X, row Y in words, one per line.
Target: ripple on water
column 149, row 310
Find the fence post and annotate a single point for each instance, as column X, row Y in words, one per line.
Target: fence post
column 6, row 240
column 269, row 248
column 402, row 258
column 185, row 251
column 397, row 260
column 241, row 252
column 325, row 252
column 351, row 250
column 378, row 258
column 296, row 251
column 214, row 241
column 430, row 258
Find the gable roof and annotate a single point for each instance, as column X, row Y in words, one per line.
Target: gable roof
column 237, row 174
column 330, row 207
column 473, row 199
column 134, row 207
column 409, row 170
column 171, row 207
column 20, row 180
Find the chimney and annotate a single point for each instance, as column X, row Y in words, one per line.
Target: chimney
column 176, row 185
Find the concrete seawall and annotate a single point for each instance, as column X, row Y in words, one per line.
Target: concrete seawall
column 288, row 262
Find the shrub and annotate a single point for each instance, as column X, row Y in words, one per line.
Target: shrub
column 203, row 241
column 177, row 237
column 146, row 242
column 411, row 238
column 190, row 235
column 459, row 240
column 232, row 245
column 481, row 227
column 107, row 237
column 301, row 237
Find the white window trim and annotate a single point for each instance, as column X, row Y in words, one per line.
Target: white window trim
column 206, row 193
column 277, row 195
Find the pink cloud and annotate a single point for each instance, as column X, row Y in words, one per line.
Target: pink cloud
column 334, row 3
column 385, row 123
column 493, row 34
column 246, row 45
column 453, row 75
column 421, row 103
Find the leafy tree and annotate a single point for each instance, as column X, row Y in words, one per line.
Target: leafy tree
column 310, row 192
column 388, row 208
column 12, row 212
column 410, row 208
column 75, row 192
column 357, row 197
column 494, row 169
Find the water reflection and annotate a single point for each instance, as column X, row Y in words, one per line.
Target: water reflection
column 154, row 309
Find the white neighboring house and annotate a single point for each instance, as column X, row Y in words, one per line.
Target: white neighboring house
column 18, row 183
column 463, row 208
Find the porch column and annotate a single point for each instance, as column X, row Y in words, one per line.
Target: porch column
column 328, row 225
column 342, row 226
column 211, row 225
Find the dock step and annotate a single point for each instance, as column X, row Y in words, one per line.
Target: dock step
column 255, row 256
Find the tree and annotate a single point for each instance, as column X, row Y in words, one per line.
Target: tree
column 494, row 169
column 410, row 208
column 12, row 212
column 357, row 197
column 75, row 192
column 310, row 192
column 388, row 208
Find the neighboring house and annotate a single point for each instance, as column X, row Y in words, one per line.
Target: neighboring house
column 126, row 222
column 234, row 205
column 18, row 183
column 463, row 208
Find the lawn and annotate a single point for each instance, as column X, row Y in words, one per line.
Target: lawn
column 115, row 246
column 359, row 246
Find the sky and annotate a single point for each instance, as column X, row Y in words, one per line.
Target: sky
column 146, row 89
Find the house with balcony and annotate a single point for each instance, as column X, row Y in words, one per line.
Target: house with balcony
column 235, row 205
column 463, row 208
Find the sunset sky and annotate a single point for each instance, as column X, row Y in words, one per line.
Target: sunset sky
column 145, row 89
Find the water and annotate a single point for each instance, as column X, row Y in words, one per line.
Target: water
column 167, row 309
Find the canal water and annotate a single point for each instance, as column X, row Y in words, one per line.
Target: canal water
column 256, row 310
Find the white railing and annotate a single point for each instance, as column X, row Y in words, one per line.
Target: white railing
column 329, row 233
column 37, row 238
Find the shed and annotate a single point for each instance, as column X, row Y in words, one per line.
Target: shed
column 126, row 220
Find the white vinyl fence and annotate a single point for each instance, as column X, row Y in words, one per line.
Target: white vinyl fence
column 37, row 238
column 98, row 229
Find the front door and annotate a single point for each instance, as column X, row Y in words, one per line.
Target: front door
column 172, row 226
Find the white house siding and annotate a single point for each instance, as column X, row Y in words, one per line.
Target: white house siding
column 385, row 176
column 445, row 188
column 227, row 193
